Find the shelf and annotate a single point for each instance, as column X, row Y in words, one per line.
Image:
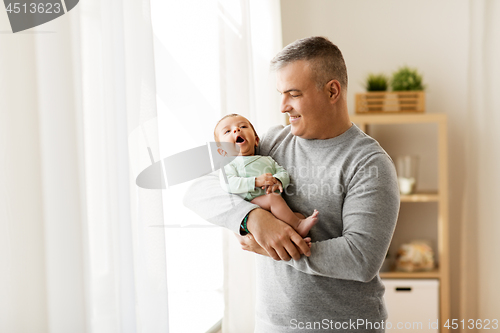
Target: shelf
column 398, row 118
column 411, row 275
column 440, row 196
column 420, row 197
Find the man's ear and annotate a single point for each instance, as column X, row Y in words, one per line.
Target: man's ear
column 334, row 90
column 257, row 139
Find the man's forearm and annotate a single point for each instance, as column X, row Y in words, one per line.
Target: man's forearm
column 275, row 236
column 207, row 199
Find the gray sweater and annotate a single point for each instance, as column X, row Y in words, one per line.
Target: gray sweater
column 352, row 182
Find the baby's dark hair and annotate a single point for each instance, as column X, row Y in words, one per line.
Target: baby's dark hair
column 231, row 115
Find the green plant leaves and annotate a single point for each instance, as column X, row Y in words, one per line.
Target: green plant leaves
column 377, row 82
column 406, row 79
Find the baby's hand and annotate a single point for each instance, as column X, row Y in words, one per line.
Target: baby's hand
column 265, row 180
column 274, row 187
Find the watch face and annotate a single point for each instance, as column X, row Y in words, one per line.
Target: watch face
column 26, row 14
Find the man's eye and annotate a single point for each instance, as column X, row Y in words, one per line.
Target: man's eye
column 294, row 96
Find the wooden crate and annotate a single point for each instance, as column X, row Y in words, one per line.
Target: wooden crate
column 390, row 102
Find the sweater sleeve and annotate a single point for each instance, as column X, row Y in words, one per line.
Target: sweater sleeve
column 369, row 215
column 235, row 184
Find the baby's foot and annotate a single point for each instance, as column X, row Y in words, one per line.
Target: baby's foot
column 306, row 224
column 308, row 242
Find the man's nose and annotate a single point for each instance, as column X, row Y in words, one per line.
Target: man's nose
column 284, row 106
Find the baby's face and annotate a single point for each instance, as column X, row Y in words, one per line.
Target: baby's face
column 238, row 130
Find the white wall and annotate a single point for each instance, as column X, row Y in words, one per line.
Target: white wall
column 379, row 36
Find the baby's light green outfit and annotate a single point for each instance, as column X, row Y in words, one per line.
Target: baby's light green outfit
column 243, row 170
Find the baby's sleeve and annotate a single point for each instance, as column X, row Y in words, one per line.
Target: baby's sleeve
column 235, row 184
column 281, row 174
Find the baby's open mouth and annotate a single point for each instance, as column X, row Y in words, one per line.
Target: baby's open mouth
column 239, row 139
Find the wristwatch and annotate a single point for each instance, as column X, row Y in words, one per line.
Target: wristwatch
column 243, row 226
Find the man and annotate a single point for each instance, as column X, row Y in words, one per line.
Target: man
column 335, row 168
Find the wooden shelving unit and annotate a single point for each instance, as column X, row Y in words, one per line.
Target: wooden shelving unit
column 420, row 197
column 440, row 197
column 435, row 274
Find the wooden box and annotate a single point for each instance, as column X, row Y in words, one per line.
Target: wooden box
column 390, row 102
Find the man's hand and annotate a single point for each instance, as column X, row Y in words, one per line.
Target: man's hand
column 276, row 237
column 248, row 243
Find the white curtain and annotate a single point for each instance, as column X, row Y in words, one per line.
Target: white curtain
column 127, row 287
column 481, row 224
column 78, row 250
column 250, row 36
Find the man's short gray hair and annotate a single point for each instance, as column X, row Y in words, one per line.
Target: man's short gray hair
column 326, row 60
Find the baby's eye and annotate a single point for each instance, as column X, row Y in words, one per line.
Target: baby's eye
column 227, row 131
column 243, row 126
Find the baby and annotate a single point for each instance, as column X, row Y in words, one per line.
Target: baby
column 256, row 178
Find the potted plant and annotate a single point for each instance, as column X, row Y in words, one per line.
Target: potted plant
column 406, row 79
column 376, row 82
column 407, row 93
column 374, row 100
column 407, row 83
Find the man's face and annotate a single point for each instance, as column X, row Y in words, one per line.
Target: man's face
column 307, row 107
column 238, row 130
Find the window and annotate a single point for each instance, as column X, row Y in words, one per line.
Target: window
column 188, row 102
